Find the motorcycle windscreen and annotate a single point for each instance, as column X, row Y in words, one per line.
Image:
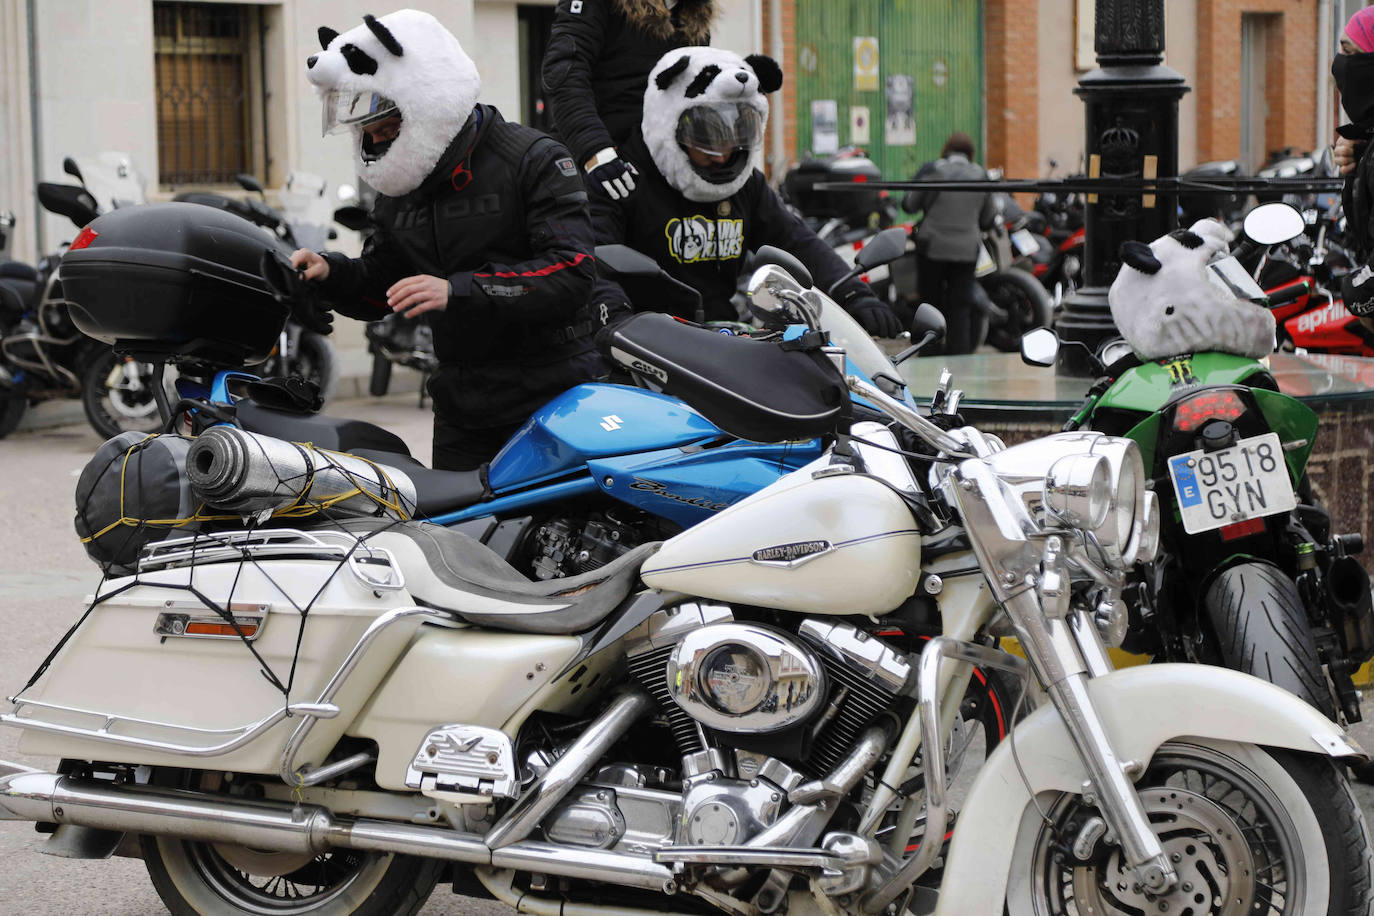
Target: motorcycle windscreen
column 751, row 389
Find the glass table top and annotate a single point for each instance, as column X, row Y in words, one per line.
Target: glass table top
column 1002, row 380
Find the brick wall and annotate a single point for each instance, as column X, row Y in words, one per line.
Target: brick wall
column 789, row 69
column 1290, row 51
column 1011, row 55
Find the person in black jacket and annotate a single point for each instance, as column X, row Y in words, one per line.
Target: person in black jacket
column 481, row 226
column 701, row 205
column 1353, row 69
column 595, row 69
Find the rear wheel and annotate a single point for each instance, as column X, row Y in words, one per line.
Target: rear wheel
column 117, row 395
column 1024, row 300
column 1262, row 629
column 217, row 879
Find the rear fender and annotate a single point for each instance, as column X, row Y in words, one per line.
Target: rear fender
column 1142, row 708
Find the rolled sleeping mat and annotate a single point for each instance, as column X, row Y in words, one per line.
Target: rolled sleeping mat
column 252, row 474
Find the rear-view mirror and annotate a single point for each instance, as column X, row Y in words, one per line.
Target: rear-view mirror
column 886, row 246
column 76, row 204
column 248, row 182
column 1270, row 224
column 626, row 261
column 1039, row 347
column 71, row 168
column 787, row 261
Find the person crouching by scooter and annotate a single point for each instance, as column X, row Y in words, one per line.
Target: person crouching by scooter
column 482, row 227
column 700, row 204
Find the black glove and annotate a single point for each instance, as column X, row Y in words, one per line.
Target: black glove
column 289, row 287
column 875, row 316
column 617, row 178
column 1357, row 289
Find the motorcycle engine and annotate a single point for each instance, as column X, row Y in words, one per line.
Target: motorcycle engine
column 804, row 697
column 572, row 545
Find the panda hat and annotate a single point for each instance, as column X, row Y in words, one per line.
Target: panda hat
column 404, row 63
column 689, row 86
column 1165, row 305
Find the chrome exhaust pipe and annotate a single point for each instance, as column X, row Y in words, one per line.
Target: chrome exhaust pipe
column 281, row 827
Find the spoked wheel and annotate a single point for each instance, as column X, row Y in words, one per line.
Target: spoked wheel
column 1248, row 831
column 117, row 395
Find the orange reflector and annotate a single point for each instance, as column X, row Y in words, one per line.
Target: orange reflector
column 83, row 238
column 197, row 628
column 1242, row 529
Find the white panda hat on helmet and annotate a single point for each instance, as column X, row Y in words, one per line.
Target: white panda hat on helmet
column 709, row 102
column 405, row 63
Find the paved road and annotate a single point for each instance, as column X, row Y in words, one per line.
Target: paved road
column 44, row 574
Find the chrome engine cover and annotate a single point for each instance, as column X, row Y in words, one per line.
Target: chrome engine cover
column 720, row 811
column 465, row 763
column 746, row 678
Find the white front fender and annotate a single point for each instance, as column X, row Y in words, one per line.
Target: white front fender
column 1142, row 708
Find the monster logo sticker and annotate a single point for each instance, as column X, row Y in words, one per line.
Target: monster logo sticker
column 700, row 238
column 1180, row 371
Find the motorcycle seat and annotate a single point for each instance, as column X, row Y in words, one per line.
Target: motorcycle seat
column 446, row 569
column 436, row 492
column 18, row 270
column 338, row 434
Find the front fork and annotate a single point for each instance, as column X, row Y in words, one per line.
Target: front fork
column 1065, row 653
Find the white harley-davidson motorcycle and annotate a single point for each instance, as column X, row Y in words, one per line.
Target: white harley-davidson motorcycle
column 716, row 722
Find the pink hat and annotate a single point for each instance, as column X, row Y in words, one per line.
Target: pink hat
column 1360, row 29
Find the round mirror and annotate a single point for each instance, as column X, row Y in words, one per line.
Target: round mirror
column 1039, row 347
column 1269, row 224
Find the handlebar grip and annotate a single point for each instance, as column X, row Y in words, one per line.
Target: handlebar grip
column 1290, row 293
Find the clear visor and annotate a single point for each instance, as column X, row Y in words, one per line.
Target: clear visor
column 343, row 110
column 720, row 128
column 1228, row 275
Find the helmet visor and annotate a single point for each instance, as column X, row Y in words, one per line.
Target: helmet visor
column 343, row 110
column 720, row 128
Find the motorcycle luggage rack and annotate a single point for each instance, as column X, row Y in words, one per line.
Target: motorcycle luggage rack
column 375, row 567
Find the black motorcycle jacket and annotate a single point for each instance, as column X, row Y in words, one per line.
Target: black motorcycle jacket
column 598, row 60
column 703, row 244
column 503, row 216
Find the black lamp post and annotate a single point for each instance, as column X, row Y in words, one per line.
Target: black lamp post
column 1131, row 104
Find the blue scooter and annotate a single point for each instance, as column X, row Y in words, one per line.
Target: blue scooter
column 601, row 468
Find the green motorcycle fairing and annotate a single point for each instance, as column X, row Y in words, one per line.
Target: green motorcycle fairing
column 1146, row 389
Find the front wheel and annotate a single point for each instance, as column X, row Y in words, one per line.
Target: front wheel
column 216, row 879
column 1024, row 300
column 1249, row 830
column 13, row 403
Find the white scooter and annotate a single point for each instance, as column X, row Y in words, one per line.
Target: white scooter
column 322, row 720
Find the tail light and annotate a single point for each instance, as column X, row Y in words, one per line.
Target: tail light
column 1242, row 529
column 83, row 238
column 1208, row 405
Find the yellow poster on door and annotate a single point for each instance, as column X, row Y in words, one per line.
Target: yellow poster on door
column 865, row 63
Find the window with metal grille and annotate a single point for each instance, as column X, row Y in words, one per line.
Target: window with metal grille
column 206, row 122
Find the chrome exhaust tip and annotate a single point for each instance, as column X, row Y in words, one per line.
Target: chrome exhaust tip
column 9, row 772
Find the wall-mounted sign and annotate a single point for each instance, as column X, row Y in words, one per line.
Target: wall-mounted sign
column 900, row 126
column 865, row 64
column 807, row 58
column 825, row 127
column 858, row 124
column 939, row 73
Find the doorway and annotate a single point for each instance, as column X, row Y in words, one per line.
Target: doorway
column 1254, row 100
column 534, row 24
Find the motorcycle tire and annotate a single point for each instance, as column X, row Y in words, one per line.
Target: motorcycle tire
column 198, row 879
column 380, row 381
column 1261, row 629
column 1024, row 300
column 315, row 361
column 12, row 407
column 112, row 410
column 1296, row 812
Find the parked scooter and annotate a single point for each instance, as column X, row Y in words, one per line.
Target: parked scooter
column 42, row 355
column 717, row 716
column 1250, row 574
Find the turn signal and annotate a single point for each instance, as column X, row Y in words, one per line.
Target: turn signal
column 1208, row 405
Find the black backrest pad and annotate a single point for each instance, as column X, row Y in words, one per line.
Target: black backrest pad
column 752, row 389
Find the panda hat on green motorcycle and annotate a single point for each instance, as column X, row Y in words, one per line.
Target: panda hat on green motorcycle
column 1165, row 305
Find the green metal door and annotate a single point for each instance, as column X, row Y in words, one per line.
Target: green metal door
column 938, row 43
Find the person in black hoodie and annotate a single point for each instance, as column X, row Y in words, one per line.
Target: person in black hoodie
column 701, row 205
column 595, row 69
column 1353, row 70
column 481, row 226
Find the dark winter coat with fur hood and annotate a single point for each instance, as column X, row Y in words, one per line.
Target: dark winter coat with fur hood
column 598, row 61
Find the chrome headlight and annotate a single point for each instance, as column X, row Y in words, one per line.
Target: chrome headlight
column 1127, row 475
column 1146, row 544
column 1078, row 491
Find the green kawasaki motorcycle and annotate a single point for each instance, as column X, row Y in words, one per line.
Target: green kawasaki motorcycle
column 1249, row 574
